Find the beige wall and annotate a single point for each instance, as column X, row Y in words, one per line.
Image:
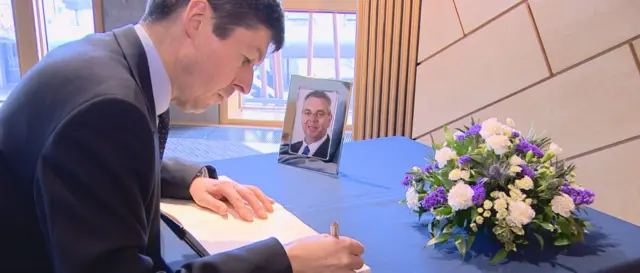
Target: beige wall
column 570, row 68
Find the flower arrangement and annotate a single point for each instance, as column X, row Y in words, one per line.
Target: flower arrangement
column 488, row 176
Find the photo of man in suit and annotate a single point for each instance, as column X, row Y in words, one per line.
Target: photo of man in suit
column 82, row 138
column 316, row 119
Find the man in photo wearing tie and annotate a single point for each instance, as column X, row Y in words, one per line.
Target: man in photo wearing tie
column 82, row 139
column 316, row 120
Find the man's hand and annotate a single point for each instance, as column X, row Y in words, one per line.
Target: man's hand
column 211, row 194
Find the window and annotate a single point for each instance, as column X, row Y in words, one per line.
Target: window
column 67, row 20
column 317, row 44
column 9, row 63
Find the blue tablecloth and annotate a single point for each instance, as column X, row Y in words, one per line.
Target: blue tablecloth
column 364, row 199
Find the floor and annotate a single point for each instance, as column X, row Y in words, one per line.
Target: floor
column 200, row 144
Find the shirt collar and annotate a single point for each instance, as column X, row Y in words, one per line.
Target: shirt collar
column 160, row 82
column 314, row 146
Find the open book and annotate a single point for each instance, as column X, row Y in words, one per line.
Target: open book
column 222, row 233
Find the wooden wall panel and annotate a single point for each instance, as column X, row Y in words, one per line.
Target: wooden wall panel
column 587, row 107
column 474, row 13
column 439, row 26
column 573, row 30
column 478, row 70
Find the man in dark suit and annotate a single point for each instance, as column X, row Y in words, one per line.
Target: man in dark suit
column 315, row 121
column 82, row 140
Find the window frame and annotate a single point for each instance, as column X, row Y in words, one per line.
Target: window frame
column 229, row 111
column 31, row 34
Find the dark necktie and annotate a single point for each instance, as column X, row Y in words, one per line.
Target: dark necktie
column 306, row 150
column 163, row 130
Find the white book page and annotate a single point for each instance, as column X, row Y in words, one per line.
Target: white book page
column 222, row 233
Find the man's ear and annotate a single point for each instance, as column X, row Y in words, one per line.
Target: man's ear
column 194, row 16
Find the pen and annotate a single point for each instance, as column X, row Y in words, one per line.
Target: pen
column 334, row 230
column 184, row 235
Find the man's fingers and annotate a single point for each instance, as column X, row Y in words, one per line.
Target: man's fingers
column 356, row 263
column 228, row 191
column 213, row 204
column 264, row 199
column 253, row 201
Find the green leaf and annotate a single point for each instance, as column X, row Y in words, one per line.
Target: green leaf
column 587, row 224
column 499, row 256
column 578, row 235
column 561, row 241
column 443, row 237
column 540, row 240
column 545, row 225
column 449, row 228
column 477, row 158
column 470, row 241
column 564, row 225
column 446, row 183
column 446, row 211
column 402, row 202
column 437, row 181
column 448, row 135
column 474, row 214
column 462, row 216
column 434, row 145
column 461, row 244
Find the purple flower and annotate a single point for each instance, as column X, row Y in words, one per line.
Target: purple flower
column 430, row 168
column 515, row 134
column 436, row 197
column 481, row 180
column 479, row 194
column 464, row 160
column 460, row 137
column 527, row 171
column 407, row 180
column 473, row 130
column 579, row 196
column 524, row 147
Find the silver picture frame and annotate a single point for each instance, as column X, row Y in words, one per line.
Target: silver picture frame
column 309, row 140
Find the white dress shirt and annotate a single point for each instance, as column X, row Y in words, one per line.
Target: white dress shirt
column 313, row 146
column 160, row 82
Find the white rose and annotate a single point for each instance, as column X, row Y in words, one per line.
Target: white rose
column 520, row 213
column 491, row 127
column 498, row 143
column 555, row 149
column 444, row 155
column 455, row 174
column 525, row 183
column 562, row 204
column 516, row 160
column 412, row 197
column 460, row 196
column 510, row 122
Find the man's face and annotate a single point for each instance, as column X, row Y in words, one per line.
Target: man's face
column 316, row 118
column 212, row 69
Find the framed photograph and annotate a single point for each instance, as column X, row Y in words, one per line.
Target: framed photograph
column 314, row 123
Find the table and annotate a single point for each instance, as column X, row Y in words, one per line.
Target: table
column 364, row 199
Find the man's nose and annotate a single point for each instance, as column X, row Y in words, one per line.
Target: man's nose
column 244, row 79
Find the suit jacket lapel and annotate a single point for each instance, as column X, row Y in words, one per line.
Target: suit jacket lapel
column 323, row 149
column 136, row 58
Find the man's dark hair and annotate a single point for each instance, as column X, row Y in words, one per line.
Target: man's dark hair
column 319, row 95
column 229, row 14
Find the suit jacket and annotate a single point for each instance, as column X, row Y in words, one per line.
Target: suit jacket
column 323, row 151
column 80, row 173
